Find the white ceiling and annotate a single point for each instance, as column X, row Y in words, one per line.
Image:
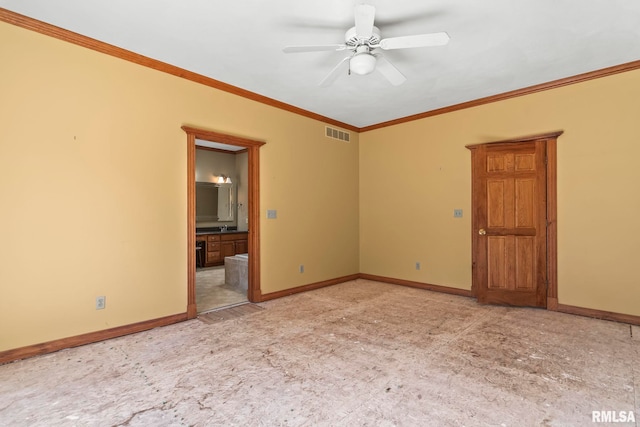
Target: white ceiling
column 496, row 45
column 218, row 145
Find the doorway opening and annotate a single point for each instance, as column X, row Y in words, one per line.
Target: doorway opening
column 221, row 240
column 222, row 225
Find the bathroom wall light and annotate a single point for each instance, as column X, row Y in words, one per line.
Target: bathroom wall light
column 222, row 180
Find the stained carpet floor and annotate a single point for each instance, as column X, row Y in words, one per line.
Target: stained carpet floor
column 355, row 354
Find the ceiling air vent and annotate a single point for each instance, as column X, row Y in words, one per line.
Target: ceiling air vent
column 336, row 134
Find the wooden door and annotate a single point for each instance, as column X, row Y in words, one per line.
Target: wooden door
column 510, row 223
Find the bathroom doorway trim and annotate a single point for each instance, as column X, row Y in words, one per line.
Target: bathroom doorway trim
column 253, row 149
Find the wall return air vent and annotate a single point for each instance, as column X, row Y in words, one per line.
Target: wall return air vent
column 336, row 134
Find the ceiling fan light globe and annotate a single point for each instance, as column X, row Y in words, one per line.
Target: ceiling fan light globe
column 362, row 63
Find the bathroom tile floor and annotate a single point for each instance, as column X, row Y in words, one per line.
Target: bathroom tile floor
column 360, row 353
column 212, row 292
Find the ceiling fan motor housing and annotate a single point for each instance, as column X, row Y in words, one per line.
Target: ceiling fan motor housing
column 351, row 39
column 362, row 62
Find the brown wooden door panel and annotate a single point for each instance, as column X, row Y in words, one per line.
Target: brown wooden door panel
column 509, row 209
column 497, row 203
column 511, row 263
column 524, row 162
column 525, row 267
column 497, row 248
column 525, row 198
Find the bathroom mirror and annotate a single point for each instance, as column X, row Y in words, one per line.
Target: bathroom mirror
column 225, row 202
column 214, row 202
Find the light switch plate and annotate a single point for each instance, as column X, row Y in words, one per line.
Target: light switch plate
column 101, row 302
column 272, row 214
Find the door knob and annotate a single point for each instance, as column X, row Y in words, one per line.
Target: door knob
column 482, row 232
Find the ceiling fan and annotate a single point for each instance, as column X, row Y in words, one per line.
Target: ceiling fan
column 362, row 40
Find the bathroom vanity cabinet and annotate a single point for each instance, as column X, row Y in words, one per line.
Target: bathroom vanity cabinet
column 221, row 245
column 232, row 244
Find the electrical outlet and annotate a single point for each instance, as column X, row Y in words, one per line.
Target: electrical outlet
column 457, row 213
column 301, row 268
column 418, row 265
column 272, row 214
column 101, row 303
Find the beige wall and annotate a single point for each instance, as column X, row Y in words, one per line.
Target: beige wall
column 97, row 142
column 412, row 177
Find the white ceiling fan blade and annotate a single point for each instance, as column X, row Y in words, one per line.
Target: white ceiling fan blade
column 365, row 15
column 420, row 40
column 333, row 75
column 390, row 72
column 314, row 48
